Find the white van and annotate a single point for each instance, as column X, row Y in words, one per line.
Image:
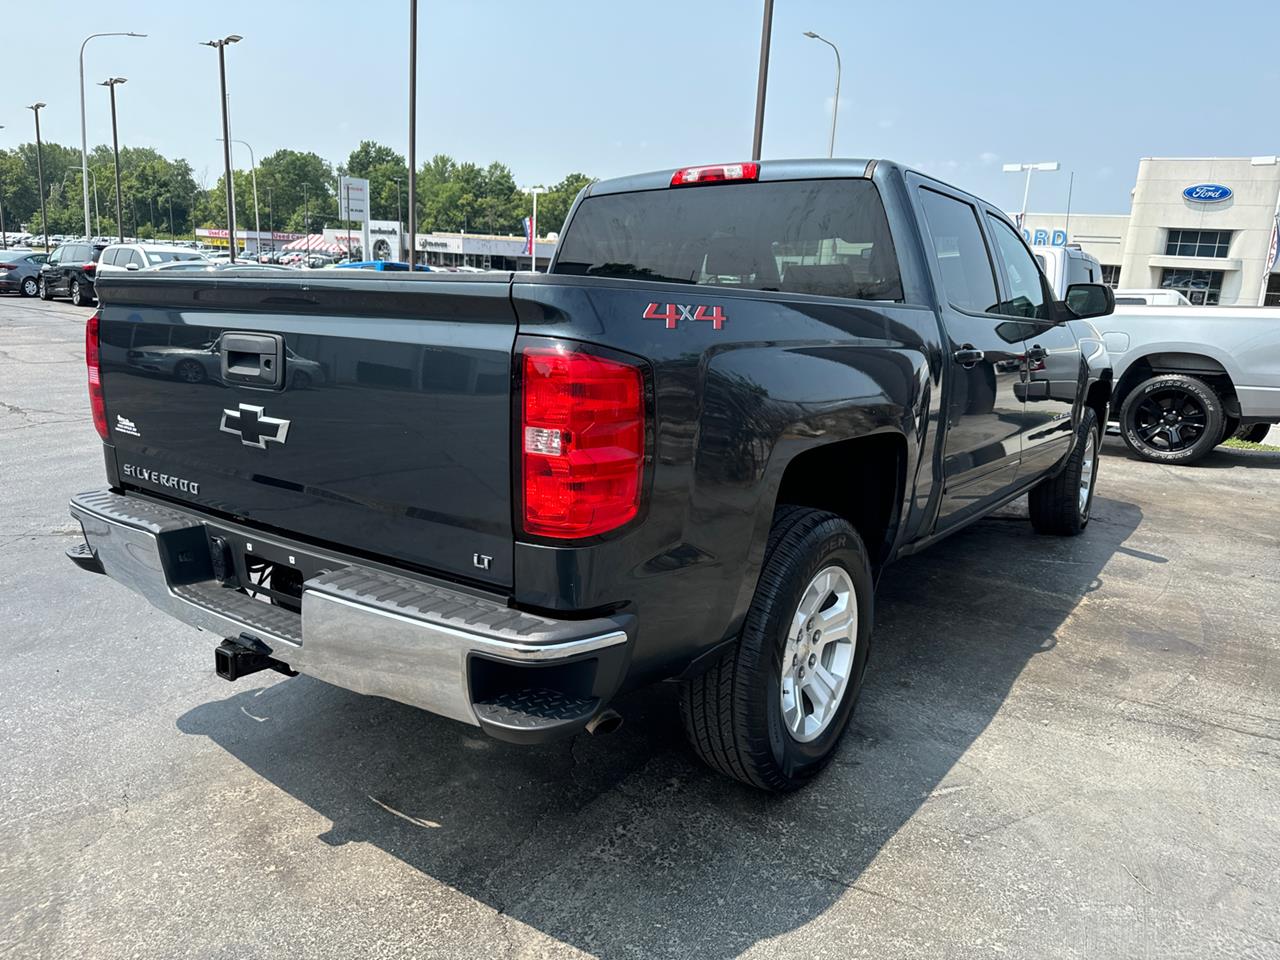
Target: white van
column 1067, row 265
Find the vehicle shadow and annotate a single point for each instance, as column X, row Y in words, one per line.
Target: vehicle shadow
column 625, row 846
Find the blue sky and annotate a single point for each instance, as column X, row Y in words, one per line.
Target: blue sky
column 608, row 88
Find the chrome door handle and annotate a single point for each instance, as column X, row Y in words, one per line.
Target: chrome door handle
column 968, row 357
column 1037, row 352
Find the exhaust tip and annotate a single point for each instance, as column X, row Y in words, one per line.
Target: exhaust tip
column 606, row 721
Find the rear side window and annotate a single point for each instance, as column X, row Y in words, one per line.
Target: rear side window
column 818, row 237
column 109, row 256
column 960, row 252
column 1026, row 287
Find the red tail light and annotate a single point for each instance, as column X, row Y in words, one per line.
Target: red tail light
column 717, row 173
column 89, row 267
column 582, row 440
column 8, row 266
column 91, row 360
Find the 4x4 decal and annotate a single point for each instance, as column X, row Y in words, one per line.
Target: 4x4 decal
column 675, row 312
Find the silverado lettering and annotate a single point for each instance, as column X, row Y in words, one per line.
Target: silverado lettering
column 160, row 479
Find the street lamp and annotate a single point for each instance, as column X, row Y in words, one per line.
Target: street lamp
column 271, row 218
column 413, row 131
column 1029, row 168
column 835, row 106
column 96, row 212
column 221, row 47
column 533, row 226
column 253, row 172
column 4, row 237
column 399, row 221
column 306, row 219
column 44, row 221
column 111, row 83
column 84, row 140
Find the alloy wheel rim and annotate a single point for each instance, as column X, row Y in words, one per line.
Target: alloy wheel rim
column 1170, row 420
column 30, row 287
column 818, row 659
column 1088, row 467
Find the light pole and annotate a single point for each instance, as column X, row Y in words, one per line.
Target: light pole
column 44, row 221
column 253, row 173
column 1029, row 168
column 306, row 219
column 533, row 226
column 271, row 219
column 4, row 237
column 413, row 131
column 762, row 79
column 171, row 236
column 221, row 47
column 110, row 83
column 84, row 140
column 399, row 220
column 835, row 106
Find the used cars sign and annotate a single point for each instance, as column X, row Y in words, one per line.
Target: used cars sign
column 1207, row 193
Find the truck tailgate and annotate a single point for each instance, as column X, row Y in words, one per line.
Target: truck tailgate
column 347, row 409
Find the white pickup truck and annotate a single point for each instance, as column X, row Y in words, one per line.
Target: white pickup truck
column 1187, row 377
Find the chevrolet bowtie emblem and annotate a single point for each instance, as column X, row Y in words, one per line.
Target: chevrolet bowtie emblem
column 253, row 427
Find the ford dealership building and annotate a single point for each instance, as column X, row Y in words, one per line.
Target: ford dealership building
column 1199, row 226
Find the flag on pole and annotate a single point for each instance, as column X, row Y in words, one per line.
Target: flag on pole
column 528, row 235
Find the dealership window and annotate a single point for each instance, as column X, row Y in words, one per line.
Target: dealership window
column 1111, row 275
column 1198, row 286
column 1273, row 291
column 1197, row 243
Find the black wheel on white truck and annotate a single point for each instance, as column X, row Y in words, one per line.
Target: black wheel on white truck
column 1172, row 418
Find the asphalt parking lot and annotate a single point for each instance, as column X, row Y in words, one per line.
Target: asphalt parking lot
column 1065, row 748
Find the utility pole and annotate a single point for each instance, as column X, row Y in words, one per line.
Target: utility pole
column 221, row 47
column 413, row 130
column 762, row 79
column 110, row 83
column 1029, row 168
column 44, row 221
column 4, row 237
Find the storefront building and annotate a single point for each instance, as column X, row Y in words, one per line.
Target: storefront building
column 1200, row 226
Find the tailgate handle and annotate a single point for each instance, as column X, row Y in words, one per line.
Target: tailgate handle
column 253, row 358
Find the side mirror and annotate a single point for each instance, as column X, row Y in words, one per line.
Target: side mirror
column 132, row 266
column 1086, row 300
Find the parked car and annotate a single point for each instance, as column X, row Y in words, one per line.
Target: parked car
column 70, row 272
column 143, row 256
column 686, row 452
column 20, row 271
column 384, row 265
column 1151, row 298
column 1189, row 377
column 207, row 266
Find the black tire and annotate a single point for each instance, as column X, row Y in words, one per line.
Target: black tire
column 44, row 290
column 1055, row 501
column 30, row 287
column 1254, row 433
column 189, row 371
column 733, row 713
column 77, row 294
column 1172, row 418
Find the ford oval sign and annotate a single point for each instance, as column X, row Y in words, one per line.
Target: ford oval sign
column 1207, row 193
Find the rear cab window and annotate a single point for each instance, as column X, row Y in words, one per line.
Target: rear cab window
column 817, row 237
column 968, row 276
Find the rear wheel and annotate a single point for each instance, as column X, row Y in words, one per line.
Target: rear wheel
column 770, row 712
column 44, row 290
column 77, row 294
column 189, row 371
column 29, row 287
column 1172, row 418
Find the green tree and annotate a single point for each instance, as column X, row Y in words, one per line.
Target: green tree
column 553, row 206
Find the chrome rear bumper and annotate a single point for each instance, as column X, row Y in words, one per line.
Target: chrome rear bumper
column 362, row 628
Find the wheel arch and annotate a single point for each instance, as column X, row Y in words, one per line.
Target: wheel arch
column 1199, row 365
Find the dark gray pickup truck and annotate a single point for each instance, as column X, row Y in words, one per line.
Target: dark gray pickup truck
column 685, row 453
